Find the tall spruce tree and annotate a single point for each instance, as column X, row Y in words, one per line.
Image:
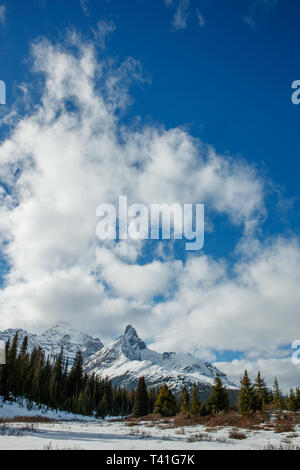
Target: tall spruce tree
column 184, row 401
column 261, row 393
column 277, row 395
column 219, row 399
column 195, row 401
column 141, row 402
column 246, row 397
column 165, row 403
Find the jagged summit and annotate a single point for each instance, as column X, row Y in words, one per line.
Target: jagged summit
column 130, row 331
column 131, row 341
column 127, row 358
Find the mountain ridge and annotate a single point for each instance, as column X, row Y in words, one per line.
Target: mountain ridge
column 128, row 358
column 60, row 335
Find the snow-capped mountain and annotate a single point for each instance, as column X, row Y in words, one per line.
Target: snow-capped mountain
column 128, row 358
column 52, row 340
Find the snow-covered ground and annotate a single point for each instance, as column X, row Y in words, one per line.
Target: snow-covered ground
column 11, row 409
column 110, row 435
column 78, row 432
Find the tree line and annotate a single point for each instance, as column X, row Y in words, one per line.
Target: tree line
column 252, row 397
column 51, row 382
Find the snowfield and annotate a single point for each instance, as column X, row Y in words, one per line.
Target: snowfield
column 76, row 432
column 109, row 435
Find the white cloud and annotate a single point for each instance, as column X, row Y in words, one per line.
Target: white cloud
column 201, row 19
column 253, row 309
column 103, row 31
column 72, row 153
column 286, row 372
column 181, row 15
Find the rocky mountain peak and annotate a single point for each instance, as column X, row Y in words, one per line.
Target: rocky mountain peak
column 130, row 331
column 127, row 358
column 132, row 339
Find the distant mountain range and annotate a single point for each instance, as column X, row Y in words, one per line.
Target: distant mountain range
column 52, row 340
column 126, row 359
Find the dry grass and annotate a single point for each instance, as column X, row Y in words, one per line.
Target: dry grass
column 149, row 418
column 131, row 424
column 281, row 446
column 286, row 422
column 233, row 419
column 27, row 419
column 50, row 446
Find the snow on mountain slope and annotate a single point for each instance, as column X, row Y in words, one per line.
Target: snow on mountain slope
column 22, row 407
column 52, row 340
column 128, row 358
column 10, row 333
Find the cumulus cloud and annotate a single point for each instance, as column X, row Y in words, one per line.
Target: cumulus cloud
column 71, row 153
column 253, row 309
column 283, row 369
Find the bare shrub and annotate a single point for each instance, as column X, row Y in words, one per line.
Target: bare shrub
column 180, row 431
column 50, row 446
column 201, row 436
column 281, row 446
column 235, row 434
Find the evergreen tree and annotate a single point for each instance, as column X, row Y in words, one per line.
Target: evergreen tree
column 219, row 399
column 195, row 401
column 153, row 393
column 291, row 401
column 246, row 397
column 141, row 402
column 204, row 409
column 11, row 363
column 261, row 393
column 165, row 403
column 297, row 398
column 103, row 407
column 184, row 401
column 277, row 395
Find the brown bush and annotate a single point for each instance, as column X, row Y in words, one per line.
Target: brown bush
column 150, row 417
column 234, row 419
column 236, row 434
column 185, row 420
column 286, row 422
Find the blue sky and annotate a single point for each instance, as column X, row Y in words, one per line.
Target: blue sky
column 217, row 71
column 228, row 81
